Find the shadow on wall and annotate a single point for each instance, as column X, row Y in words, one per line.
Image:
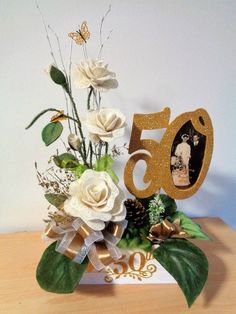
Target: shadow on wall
column 217, row 197
column 149, row 106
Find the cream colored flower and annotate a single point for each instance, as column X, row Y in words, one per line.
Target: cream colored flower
column 105, row 124
column 96, row 199
column 94, row 73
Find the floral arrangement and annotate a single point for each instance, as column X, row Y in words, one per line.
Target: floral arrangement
column 91, row 224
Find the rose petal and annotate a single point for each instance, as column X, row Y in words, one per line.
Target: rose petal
column 74, row 188
column 96, row 225
column 119, row 203
column 93, row 138
column 120, row 216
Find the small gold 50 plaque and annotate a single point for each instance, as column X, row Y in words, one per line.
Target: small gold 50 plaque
column 179, row 162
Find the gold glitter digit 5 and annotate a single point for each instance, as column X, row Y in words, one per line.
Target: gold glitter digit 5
column 153, row 156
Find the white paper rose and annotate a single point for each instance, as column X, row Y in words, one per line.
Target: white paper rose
column 105, row 124
column 96, row 199
column 96, row 74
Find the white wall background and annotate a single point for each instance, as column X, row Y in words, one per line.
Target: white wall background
column 178, row 53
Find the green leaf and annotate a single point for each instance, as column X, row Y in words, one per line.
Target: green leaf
column 186, row 263
column 66, row 160
column 79, row 170
column 51, row 132
column 122, row 244
column 58, row 76
column 135, row 243
column 169, row 204
column 105, row 163
column 57, row 273
column 189, row 226
column 56, row 200
column 145, row 245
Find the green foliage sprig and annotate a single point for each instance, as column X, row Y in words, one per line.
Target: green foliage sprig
column 156, row 210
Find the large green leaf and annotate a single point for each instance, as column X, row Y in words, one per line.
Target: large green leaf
column 105, row 163
column 66, row 160
column 56, row 200
column 186, row 263
column 51, row 132
column 57, row 273
column 189, row 226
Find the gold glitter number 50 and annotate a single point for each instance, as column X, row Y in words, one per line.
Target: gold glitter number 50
column 158, row 154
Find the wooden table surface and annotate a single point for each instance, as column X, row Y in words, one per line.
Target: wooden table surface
column 20, row 293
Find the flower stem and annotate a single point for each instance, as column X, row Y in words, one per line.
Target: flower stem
column 89, row 97
column 100, row 149
column 106, row 148
column 90, row 150
column 45, row 111
column 83, row 155
column 91, row 154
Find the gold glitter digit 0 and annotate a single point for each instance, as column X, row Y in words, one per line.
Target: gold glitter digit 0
column 202, row 124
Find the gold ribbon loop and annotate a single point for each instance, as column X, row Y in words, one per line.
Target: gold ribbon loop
column 50, row 233
column 55, row 232
column 115, row 229
column 103, row 253
column 85, row 231
column 88, row 234
column 74, row 247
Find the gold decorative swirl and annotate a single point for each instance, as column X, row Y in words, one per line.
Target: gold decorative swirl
column 134, row 274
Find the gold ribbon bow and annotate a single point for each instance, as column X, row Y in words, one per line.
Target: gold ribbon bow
column 164, row 230
column 78, row 241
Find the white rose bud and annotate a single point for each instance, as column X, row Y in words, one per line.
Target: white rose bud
column 74, row 141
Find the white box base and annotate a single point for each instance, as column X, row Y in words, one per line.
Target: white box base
column 136, row 267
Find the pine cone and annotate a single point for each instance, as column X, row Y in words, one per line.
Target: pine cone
column 136, row 212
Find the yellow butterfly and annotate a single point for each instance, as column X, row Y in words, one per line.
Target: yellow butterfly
column 82, row 35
